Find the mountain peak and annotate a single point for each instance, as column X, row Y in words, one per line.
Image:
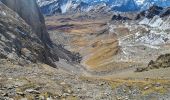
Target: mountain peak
column 64, row 6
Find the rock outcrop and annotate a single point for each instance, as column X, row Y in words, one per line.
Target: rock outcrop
column 119, row 17
column 18, row 43
column 163, row 61
column 153, row 11
column 29, row 11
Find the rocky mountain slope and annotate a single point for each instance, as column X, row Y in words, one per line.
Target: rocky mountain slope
column 153, row 11
column 30, row 12
column 76, row 6
column 109, row 49
column 18, row 41
column 149, row 33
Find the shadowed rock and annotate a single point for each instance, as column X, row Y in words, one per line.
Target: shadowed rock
column 153, row 11
column 34, row 43
column 18, row 42
column 163, row 61
column 29, row 11
column 119, row 17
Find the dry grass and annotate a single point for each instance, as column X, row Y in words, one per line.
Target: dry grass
column 146, row 87
column 79, row 26
column 81, row 42
column 101, row 54
column 98, row 50
column 141, row 84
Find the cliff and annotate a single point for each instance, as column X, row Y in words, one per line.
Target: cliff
column 23, row 33
column 29, row 11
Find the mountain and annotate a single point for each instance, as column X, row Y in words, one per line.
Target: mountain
column 35, row 40
column 125, row 5
column 154, row 11
column 30, row 12
column 148, row 3
column 146, row 36
column 18, row 42
column 64, row 6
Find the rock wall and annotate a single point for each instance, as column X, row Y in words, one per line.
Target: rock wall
column 18, row 43
column 29, row 41
column 29, row 11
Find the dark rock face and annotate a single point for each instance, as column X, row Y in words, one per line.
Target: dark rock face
column 29, row 11
column 163, row 61
column 119, row 17
column 153, row 11
column 18, row 42
column 166, row 12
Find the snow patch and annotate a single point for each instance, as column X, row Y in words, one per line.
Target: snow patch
column 3, row 13
column 144, row 21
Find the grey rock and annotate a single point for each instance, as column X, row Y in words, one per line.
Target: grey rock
column 66, row 94
column 21, row 93
column 18, row 41
column 32, row 91
column 29, row 11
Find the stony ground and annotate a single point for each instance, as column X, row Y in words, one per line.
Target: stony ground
column 42, row 82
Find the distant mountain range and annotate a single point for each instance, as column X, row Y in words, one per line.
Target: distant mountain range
column 49, row 7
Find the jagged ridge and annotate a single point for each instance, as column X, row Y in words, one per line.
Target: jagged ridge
column 64, row 6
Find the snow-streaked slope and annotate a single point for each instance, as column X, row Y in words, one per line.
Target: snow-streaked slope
column 145, row 38
column 63, row 6
column 157, row 22
column 125, row 5
column 54, row 6
column 140, row 2
column 148, row 3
